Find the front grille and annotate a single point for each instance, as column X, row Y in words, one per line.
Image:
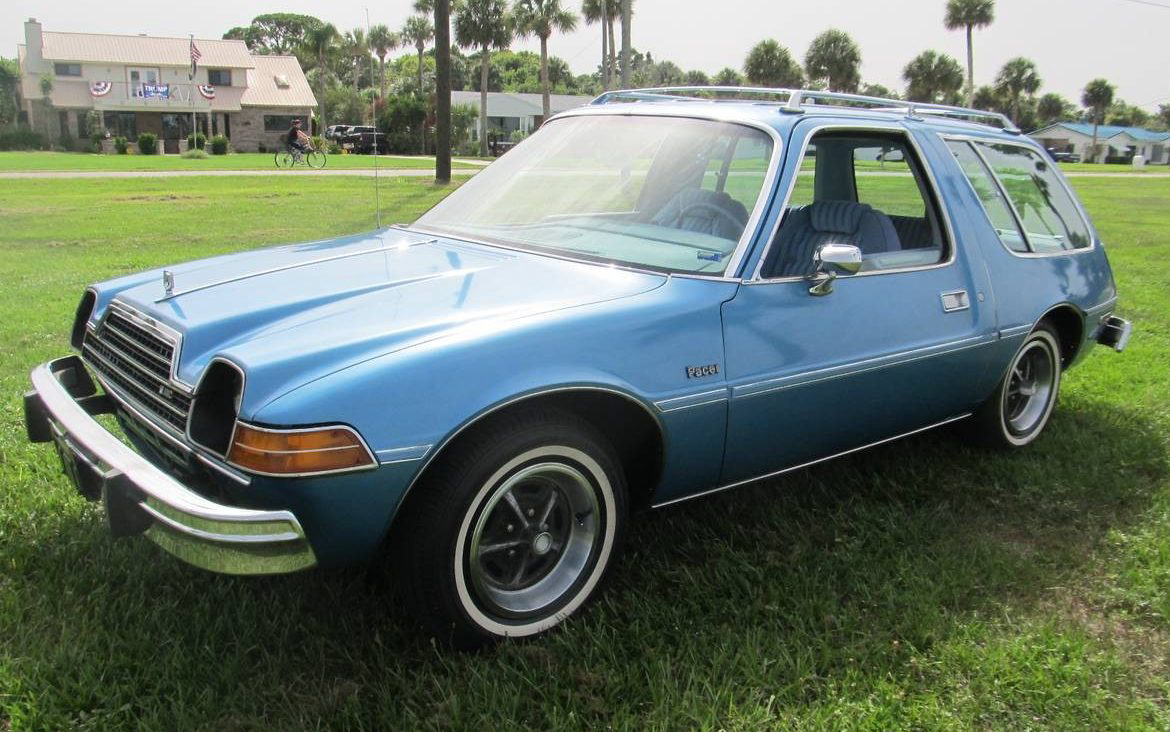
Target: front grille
column 135, row 358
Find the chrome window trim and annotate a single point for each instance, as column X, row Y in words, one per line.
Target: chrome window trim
column 973, row 141
column 373, row 464
column 742, row 247
column 810, row 463
column 943, row 208
column 697, row 399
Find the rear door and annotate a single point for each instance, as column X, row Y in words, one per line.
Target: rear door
column 897, row 347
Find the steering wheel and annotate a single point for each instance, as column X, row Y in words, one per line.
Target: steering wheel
column 721, row 212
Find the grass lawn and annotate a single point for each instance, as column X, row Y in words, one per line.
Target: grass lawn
column 920, row 585
column 22, row 161
column 1112, row 168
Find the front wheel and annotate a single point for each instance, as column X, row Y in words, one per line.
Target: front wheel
column 315, row 159
column 283, row 159
column 513, row 532
column 1019, row 409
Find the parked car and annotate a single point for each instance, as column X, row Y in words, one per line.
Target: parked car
column 1064, row 156
column 361, row 139
column 643, row 304
column 335, row 132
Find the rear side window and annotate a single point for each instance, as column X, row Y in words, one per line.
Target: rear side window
column 989, row 195
column 1045, row 208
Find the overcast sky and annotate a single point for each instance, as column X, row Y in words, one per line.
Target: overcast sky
column 1071, row 41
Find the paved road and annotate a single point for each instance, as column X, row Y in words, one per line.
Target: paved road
column 365, row 172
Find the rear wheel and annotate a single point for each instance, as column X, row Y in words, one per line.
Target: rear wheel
column 283, row 159
column 1019, row 409
column 315, row 159
column 513, row 532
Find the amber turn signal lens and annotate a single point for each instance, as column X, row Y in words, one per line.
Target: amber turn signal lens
column 299, row 452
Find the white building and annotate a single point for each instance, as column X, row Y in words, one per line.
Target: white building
column 1113, row 142
column 140, row 84
column 508, row 112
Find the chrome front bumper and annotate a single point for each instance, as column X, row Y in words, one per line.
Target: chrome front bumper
column 141, row 498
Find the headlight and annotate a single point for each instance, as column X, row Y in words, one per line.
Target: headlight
column 304, row 451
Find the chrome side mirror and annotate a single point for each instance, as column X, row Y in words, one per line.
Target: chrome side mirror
column 828, row 261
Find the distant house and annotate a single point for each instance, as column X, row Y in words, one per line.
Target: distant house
column 1118, row 144
column 508, row 112
column 140, row 84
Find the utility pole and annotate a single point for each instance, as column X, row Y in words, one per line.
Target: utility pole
column 626, row 43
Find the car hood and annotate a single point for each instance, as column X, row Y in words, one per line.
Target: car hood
column 294, row 313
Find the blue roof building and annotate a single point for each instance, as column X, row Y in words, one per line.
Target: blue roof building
column 1114, row 143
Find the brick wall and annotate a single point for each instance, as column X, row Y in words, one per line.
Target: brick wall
column 248, row 127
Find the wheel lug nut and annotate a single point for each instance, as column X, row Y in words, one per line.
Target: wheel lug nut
column 531, row 512
column 511, row 527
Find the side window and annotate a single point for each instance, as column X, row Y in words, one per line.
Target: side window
column 988, row 192
column 1045, row 208
column 863, row 189
column 737, row 166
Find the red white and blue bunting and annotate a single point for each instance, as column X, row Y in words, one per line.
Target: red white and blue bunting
column 207, row 91
column 100, row 88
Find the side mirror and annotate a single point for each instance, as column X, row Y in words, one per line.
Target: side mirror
column 828, row 261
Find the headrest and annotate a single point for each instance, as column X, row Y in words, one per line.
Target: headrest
column 837, row 217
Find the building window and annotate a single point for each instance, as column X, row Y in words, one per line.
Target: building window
column 67, row 69
column 281, row 122
column 122, row 124
column 219, row 77
column 63, row 123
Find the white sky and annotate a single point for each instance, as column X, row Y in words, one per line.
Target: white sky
column 1071, row 41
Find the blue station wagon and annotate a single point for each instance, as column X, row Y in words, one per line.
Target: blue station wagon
column 664, row 294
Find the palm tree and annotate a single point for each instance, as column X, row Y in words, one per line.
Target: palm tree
column 540, row 18
column 355, row 48
column 770, row 64
column 606, row 12
column 442, row 11
column 836, row 59
column 933, row 77
column 1017, row 78
column 627, row 44
column 728, row 77
column 1052, row 108
column 483, row 24
column 47, row 101
column 383, row 42
column 418, row 31
column 1098, row 95
column 970, row 14
column 318, row 42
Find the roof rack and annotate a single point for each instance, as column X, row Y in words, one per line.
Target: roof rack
column 795, row 101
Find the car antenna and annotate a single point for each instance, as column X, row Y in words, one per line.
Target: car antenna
column 374, row 119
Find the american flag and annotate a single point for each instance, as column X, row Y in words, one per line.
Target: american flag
column 195, row 56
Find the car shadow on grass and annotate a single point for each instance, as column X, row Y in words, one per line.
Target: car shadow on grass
column 857, row 569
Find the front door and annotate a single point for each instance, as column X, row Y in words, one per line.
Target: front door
column 900, row 345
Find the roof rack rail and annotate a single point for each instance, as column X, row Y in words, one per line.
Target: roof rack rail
column 795, row 101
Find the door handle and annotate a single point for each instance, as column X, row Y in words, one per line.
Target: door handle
column 955, row 301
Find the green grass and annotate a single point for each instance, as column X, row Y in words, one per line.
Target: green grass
column 28, row 161
column 1112, row 168
column 920, row 585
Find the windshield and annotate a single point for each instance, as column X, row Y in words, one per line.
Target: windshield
column 662, row 193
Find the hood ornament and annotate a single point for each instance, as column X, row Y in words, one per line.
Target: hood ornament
column 168, row 282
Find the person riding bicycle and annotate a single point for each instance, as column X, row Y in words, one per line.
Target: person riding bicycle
column 297, row 140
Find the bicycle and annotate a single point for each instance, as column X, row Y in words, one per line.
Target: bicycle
column 289, row 157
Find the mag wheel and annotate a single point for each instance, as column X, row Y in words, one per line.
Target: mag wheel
column 1017, row 412
column 283, row 159
column 514, row 532
column 315, row 159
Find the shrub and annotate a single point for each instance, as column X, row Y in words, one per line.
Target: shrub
column 195, row 154
column 21, row 138
column 95, row 142
column 148, row 143
column 262, row 148
column 196, row 141
column 319, row 143
column 66, row 142
column 219, row 145
column 120, row 145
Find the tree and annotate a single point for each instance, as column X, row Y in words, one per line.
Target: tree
column 482, row 24
column 46, row 85
column 1098, row 95
column 442, row 10
column 355, row 48
column 695, row 77
column 834, row 58
column 1053, row 108
column 383, row 41
column 770, row 64
column 9, row 91
column 986, row 97
column 607, row 13
column 880, row 90
column 969, row 15
column 319, row 42
column 541, row 18
column 1163, row 118
column 627, row 44
column 1123, row 114
column 418, row 31
column 728, row 77
column 275, row 33
column 933, row 77
column 1017, row 79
